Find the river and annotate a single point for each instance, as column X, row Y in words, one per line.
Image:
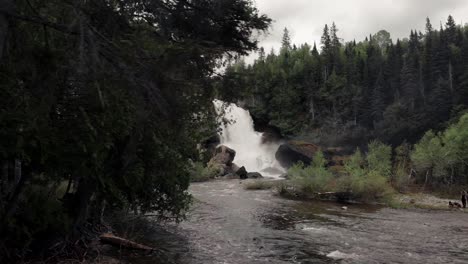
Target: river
column 228, row 224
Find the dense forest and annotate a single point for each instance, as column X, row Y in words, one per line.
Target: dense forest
column 105, row 106
column 349, row 92
column 101, row 106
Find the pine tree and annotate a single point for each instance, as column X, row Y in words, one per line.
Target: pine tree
column 334, row 40
column 315, row 52
column 326, row 41
column 427, row 57
column 261, row 54
column 451, row 30
column 286, row 40
column 378, row 99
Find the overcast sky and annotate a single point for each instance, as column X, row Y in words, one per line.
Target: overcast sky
column 355, row 19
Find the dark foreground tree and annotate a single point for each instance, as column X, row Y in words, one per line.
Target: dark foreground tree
column 103, row 102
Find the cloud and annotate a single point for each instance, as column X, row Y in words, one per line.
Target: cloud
column 355, row 19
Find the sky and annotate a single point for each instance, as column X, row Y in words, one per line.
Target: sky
column 355, row 19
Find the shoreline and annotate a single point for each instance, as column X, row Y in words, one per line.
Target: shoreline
column 411, row 200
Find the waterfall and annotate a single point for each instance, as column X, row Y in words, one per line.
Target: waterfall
column 240, row 135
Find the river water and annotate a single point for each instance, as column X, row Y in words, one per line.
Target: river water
column 228, row 224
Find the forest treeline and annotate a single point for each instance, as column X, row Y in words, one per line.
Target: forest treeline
column 349, row 92
column 102, row 104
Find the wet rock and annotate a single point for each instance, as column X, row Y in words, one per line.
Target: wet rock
column 242, row 172
column 223, row 155
column 234, row 167
column 222, row 161
column 254, row 175
column 230, row 176
column 210, row 143
column 296, row 151
column 270, row 134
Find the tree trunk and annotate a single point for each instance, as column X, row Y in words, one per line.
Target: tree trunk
column 84, row 192
column 425, row 181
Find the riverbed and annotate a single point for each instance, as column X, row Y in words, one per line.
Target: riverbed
column 228, row 224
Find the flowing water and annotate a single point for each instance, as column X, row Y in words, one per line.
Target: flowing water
column 231, row 225
column 239, row 134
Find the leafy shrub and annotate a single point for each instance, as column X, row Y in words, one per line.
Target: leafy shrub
column 200, row 173
column 313, row 178
column 368, row 181
column 379, row 158
column 442, row 157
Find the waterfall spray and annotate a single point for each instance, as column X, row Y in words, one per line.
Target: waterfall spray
column 240, row 135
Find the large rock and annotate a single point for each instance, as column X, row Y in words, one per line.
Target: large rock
column 254, row 175
column 223, row 155
column 208, row 146
column 234, row 168
column 242, row 172
column 294, row 151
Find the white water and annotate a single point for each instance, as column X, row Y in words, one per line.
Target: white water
column 241, row 136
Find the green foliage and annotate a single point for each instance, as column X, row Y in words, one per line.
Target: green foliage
column 368, row 178
column 200, row 173
column 313, row 178
column 379, row 159
column 427, row 152
column 111, row 97
column 42, row 217
column 395, row 90
column 444, row 155
column 401, row 177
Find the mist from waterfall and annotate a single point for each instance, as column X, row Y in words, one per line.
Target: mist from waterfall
column 239, row 134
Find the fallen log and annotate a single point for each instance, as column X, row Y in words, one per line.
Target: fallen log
column 122, row 242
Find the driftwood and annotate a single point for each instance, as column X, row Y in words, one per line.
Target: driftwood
column 122, row 242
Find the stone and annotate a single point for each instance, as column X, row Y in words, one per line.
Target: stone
column 254, row 175
column 296, row 151
column 223, row 155
column 242, row 172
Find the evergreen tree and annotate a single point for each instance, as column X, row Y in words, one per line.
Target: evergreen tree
column 451, row 30
column 286, row 40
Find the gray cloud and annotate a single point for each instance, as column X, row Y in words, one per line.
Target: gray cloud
column 355, row 19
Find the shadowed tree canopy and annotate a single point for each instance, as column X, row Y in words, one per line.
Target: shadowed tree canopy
column 105, row 101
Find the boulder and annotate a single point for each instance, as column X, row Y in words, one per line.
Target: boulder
column 292, row 152
column 223, row 155
column 234, row 168
column 271, row 134
column 242, row 172
column 254, row 175
column 230, row 176
column 207, row 147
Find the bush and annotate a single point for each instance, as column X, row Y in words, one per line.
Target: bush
column 442, row 157
column 379, row 159
column 368, row 181
column 313, row 178
column 201, row 173
column 401, row 177
column 40, row 220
